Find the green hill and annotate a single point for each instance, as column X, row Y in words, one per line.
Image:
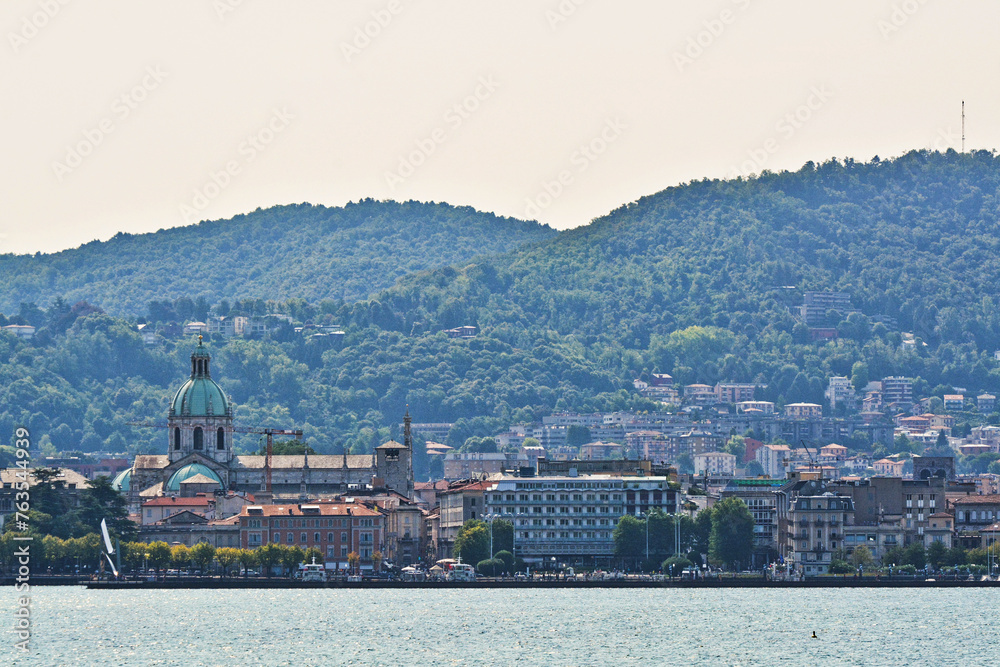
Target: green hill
column 299, row 251
column 914, row 241
column 700, row 281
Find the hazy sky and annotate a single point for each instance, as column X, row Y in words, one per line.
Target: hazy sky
column 134, row 116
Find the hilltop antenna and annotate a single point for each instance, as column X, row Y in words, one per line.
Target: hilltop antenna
column 963, row 126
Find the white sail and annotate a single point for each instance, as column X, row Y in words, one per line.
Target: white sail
column 113, row 568
column 107, row 538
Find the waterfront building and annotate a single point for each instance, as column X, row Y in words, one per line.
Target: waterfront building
column 572, row 518
column 758, row 495
column 892, row 511
column 461, row 502
column 941, row 528
column 973, row 513
column 336, row 528
column 405, row 542
column 817, row 524
column 189, row 528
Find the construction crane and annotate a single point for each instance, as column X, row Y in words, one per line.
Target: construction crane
column 812, row 460
column 268, row 432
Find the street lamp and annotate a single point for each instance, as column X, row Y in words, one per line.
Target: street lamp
column 645, row 517
column 490, row 518
column 677, row 534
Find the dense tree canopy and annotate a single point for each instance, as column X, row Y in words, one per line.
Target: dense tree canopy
column 300, row 251
column 731, row 540
column 700, row 281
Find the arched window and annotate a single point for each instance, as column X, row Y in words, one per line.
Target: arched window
column 199, row 438
column 177, row 438
column 220, row 438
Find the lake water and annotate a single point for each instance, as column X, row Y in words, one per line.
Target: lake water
column 74, row 626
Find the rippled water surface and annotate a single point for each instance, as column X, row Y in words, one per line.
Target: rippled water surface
column 73, row 626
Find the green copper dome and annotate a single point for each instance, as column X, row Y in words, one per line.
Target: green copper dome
column 200, row 396
column 122, row 480
column 189, row 471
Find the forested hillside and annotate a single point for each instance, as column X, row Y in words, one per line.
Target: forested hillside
column 696, row 281
column 300, row 251
column 914, row 241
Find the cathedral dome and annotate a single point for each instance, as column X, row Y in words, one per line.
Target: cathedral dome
column 122, row 480
column 189, row 471
column 200, row 396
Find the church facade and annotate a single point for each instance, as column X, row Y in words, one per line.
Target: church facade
column 199, row 456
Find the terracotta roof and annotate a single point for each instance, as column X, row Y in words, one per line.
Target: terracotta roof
column 70, row 478
column 154, row 491
column 470, row 486
column 323, row 509
column 151, row 461
column 940, row 515
column 200, row 479
column 392, row 444
column 991, row 499
column 233, row 520
column 184, row 516
column 440, row 484
column 297, row 462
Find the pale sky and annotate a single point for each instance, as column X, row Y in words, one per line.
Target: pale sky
column 126, row 115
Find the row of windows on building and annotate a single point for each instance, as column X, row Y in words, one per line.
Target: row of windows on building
column 567, row 522
column 565, row 535
column 304, row 537
column 617, row 511
column 254, row 539
column 567, row 485
column 311, row 523
column 982, row 516
column 552, row 497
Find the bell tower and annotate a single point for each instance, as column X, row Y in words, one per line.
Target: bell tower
column 200, row 418
column 394, row 462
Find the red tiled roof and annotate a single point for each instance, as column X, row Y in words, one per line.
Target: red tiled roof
column 470, row 486
column 324, row 509
column 990, row 499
